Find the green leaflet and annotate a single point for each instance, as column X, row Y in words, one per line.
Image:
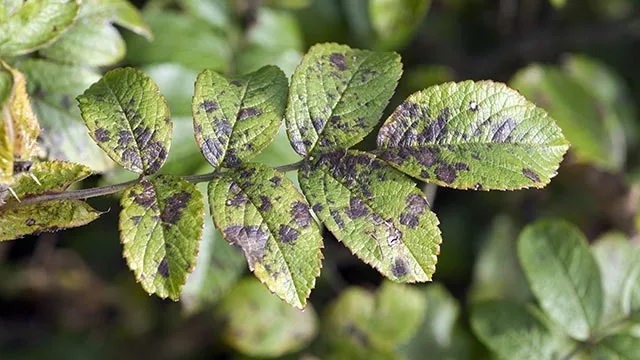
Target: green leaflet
column 52, row 88
column 121, row 12
column 394, row 22
column 160, row 227
column 617, row 347
column 89, row 42
column 473, row 135
column 54, row 176
column 48, row 216
column 236, row 119
column 583, row 116
column 563, row 275
column 337, row 96
column 513, row 331
column 35, row 24
column 260, row 325
column 260, row 210
column 129, row 119
column 376, row 211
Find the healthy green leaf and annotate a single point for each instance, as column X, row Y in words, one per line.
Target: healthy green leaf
column 129, row 119
column 160, row 227
column 394, row 22
column 235, row 119
column 619, row 263
column 16, row 222
column 260, row 210
column 617, row 347
column 337, row 96
column 376, row 211
column 218, row 267
column 35, row 24
column 54, row 176
column 473, row 135
column 497, row 272
column 91, row 43
column 180, row 38
column 121, row 12
column 563, row 275
column 512, row 331
column 52, row 88
column 580, row 115
column 258, row 324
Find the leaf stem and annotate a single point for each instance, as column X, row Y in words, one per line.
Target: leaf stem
column 112, row 189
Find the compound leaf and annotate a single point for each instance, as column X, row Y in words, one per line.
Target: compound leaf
column 121, row 12
column 47, row 216
column 129, row 119
column 52, row 87
column 92, row 43
column 563, row 275
column 160, row 227
column 35, row 24
column 376, row 211
column 53, row 176
column 260, row 325
column 512, row 331
column 337, row 96
column 473, row 135
column 235, row 119
column 260, row 210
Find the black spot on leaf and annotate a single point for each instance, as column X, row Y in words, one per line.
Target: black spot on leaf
column 275, row 181
column 446, row 173
column 102, row 135
column 502, row 132
column 237, row 83
column 65, row 102
column 146, row 198
column 209, row 106
column 124, row 138
column 287, row 234
column 416, row 204
column 251, row 240
column 238, row 200
column 357, row 208
column 173, row 207
column 136, row 219
column 247, row 113
column 336, row 217
column 531, row 175
column 300, row 213
column 30, row 222
column 265, row 203
column 409, row 220
column 317, row 207
column 163, row 268
column 338, row 61
column 399, row 268
column 477, row 187
column 461, row 166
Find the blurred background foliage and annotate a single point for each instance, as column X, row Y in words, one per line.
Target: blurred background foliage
column 69, row 295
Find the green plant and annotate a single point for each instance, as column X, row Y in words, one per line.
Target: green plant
column 468, row 135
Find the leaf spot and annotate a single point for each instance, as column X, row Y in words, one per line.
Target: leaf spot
column 357, row 208
column 163, row 268
column 173, row 207
column 446, row 173
column 102, row 135
column 275, row 181
column 30, row 222
column 399, row 268
column 209, row 106
column 287, row 234
column 473, row 106
column 338, row 61
column 265, row 203
column 247, row 113
column 531, row 175
column 300, row 213
column 251, row 240
column 409, row 220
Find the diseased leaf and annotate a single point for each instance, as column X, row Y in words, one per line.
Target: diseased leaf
column 513, row 331
column 582, row 117
column 129, row 119
column 48, row 216
column 473, row 135
column 52, row 88
column 376, row 211
column 54, row 176
column 160, row 227
column 121, row 12
column 35, row 24
column 337, row 96
column 563, row 275
column 235, row 119
column 394, row 22
column 259, row 324
column 182, row 39
column 619, row 264
column 260, row 210
column 617, row 347
column 19, row 116
column 218, row 268
column 92, row 43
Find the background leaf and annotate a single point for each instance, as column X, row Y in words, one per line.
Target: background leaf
column 259, row 324
column 259, row 209
column 160, row 227
column 376, row 211
column 337, row 95
column 235, row 119
column 129, row 119
column 617, row 347
column 47, row 216
column 473, row 135
column 395, row 22
column 54, row 176
column 35, row 24
column 563, row 275
column 121, row 12
column 176, row 84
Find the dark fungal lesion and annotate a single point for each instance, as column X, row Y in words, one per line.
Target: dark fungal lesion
column 287, row 234
column 338, row 60
column 531, row 175
column 247, row 113
column 102, row 135
column 173, row 207
column 209, row 106
column 300, row 213
column 251, row 239
column 163, row 268
column 399, row 268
